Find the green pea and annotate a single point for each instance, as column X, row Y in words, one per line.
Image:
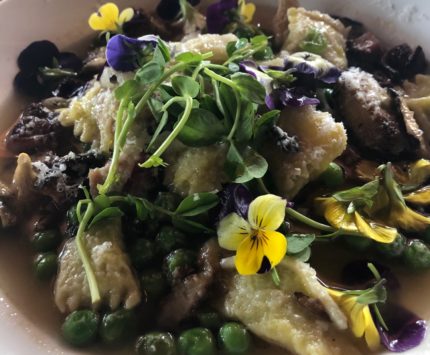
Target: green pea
column 80, row 327
column 154, row 284
column 358, row 243
column 234, row 338
column 197, row 341
column 209, row 319
column 168, row 239
column 118, row 326
column 142, row 253
column 156, row 343
column 167, row 200
column 417, row 255
column 179, row 264
column 393, row 249
column 45, row 266
column 46, row 241
column 333, row 176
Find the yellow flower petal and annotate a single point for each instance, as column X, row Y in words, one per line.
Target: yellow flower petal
column 106, row 18
column 405, row 218
column 375, row 231
column 125, row 16
column 260, row 252
column 247, row 11
column 420, row 197
column 267, row 212
column 419, row 172
column 356, row 317
column 275, row 246
column 371, row 334
column 336, row 214
column 232, row 230
column 249, row 257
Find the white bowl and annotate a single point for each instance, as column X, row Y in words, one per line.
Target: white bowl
column 23, row 329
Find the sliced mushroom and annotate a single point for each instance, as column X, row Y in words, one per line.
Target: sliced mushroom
column 370, row 117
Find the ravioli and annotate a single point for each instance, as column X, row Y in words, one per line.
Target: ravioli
column 275, row 315
column 302, row 21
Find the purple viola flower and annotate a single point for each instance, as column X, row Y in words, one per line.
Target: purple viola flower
column 234, row 198
column 251, row 68
column 405, row 329
column 123, row 53
column 289, row 97
column 312, row 66
column 217, row 15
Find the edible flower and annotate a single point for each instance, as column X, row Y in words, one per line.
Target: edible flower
column 339, row 215
column 399, row 214
column 223, row 12
column 259, row 247
column 126, row 54
column 355, row 305
column 289, row 97
column 247, row 10
column 108, row 18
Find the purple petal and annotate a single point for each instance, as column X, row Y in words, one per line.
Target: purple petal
column 313, row 66
column 405, row 329
column 217, row 16
column 122, row 52
column 234, row 198
column 291, row 97
column 251, row 68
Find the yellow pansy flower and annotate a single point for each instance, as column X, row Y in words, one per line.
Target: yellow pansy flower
column 399, row 214
column 109, row 19
column 337, row 215
column 259, row 247
column 359, row 317
column 247, row 10
column 419, row 197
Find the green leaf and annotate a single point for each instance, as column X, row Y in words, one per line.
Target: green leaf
column 249, row 87
column 203, row 128
column 127, row 90
column 376, row 294
column 101, row 202
column 187, row 226
column 228, row 101
column 297, row 243
column 234, row 46
column 150, row 73
column 303, row 255
column 109, row 212
column 314, row 42
column 265, row 122
column 164, row 49
column 189, row 57
column 243, row 166
column 361, row 195
column 185, row 86
column 197, row 203
column 163, row 121
column 246, row 122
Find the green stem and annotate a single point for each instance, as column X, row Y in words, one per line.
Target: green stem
column 104, row 189
column 308, row 221
column 178, row 128
column 83, row 254
column 171, row 102
column 110, row 178
column 237, row 116
column 219, row 78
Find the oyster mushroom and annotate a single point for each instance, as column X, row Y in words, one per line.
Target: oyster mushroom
column 372, row 120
